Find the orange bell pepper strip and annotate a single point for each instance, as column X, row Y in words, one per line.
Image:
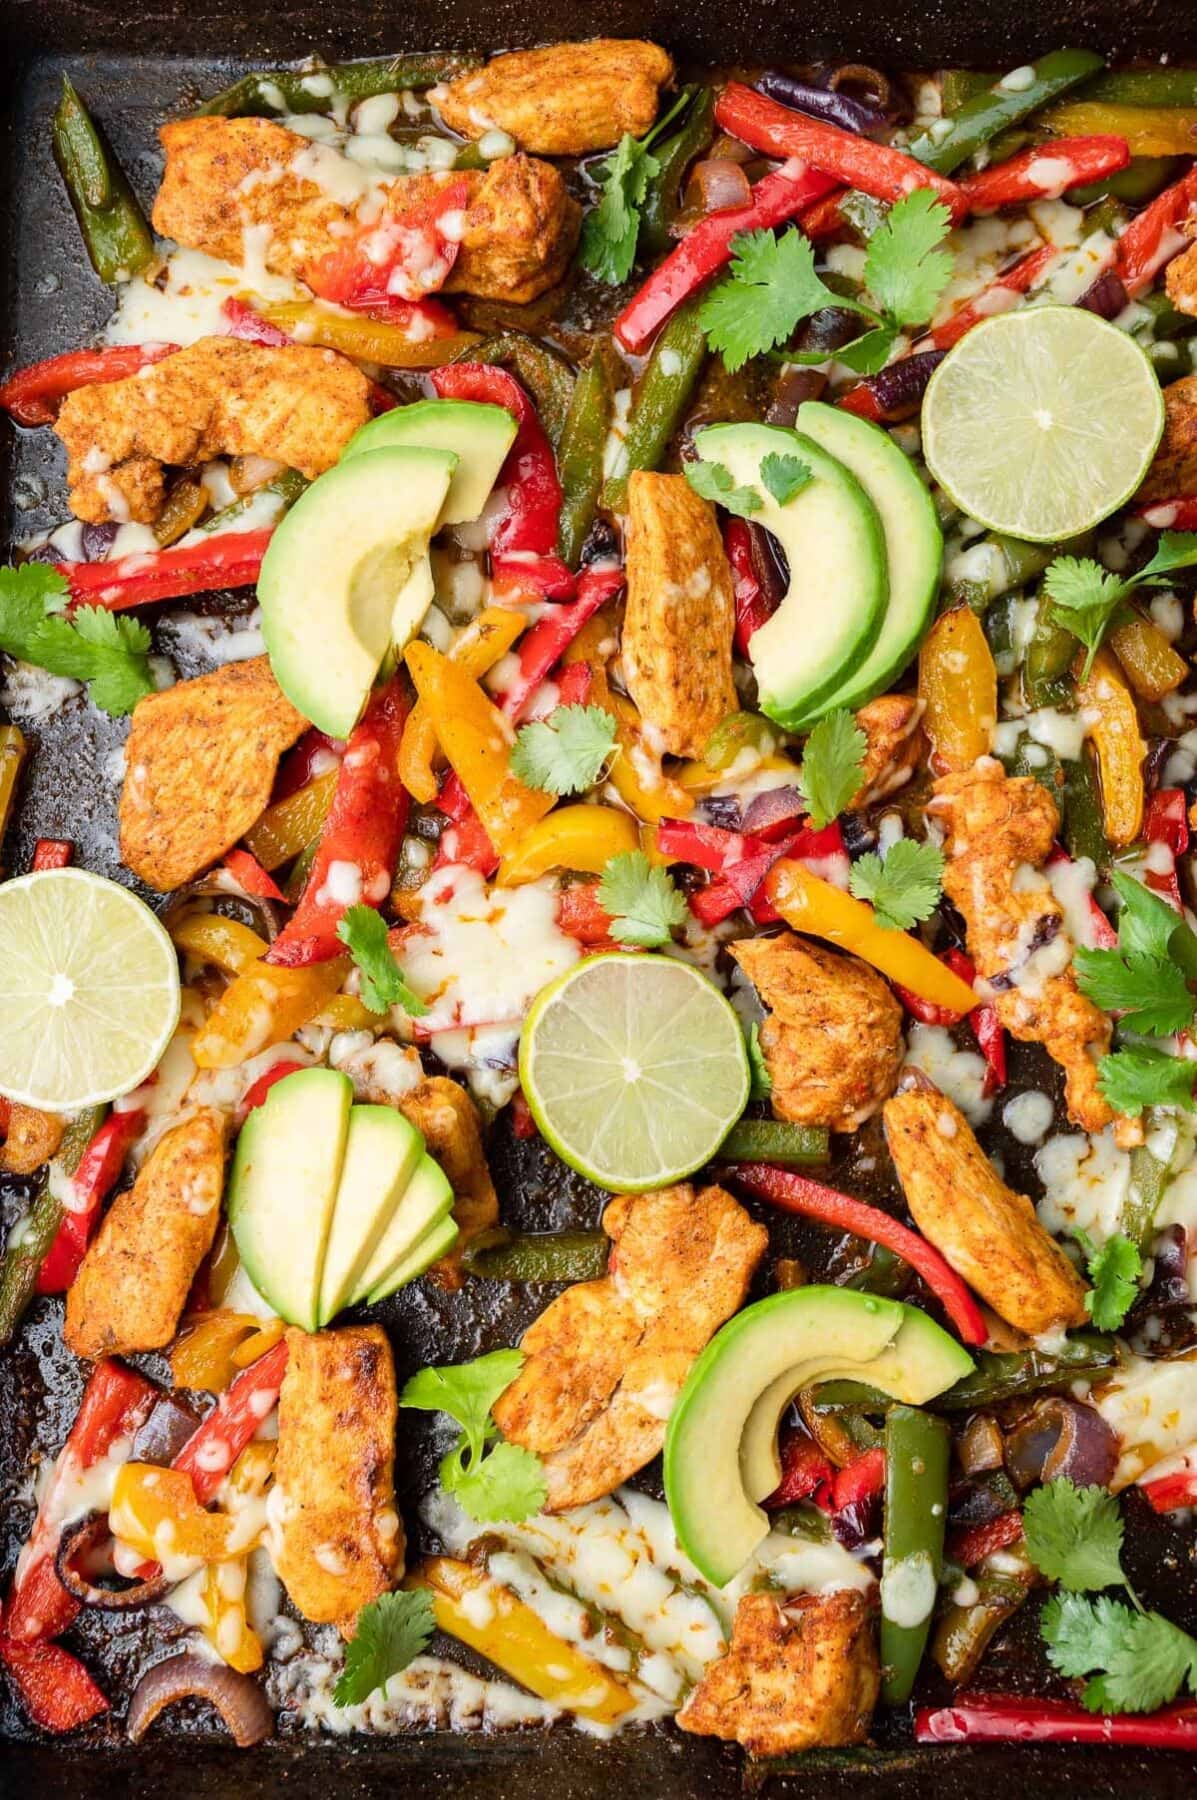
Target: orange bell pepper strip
column 1120, row 748
column 1148, row 130
column 265, row 1005
column 583, row 838
column 225, row 943
column 227, row 1627
column 813, row 906
column 202, row 1357
column 479, row 648
column 958, row 688
column 366, row 340
column 288, row 826
column 268, row 1334
column 476, row 740
column 1151, row 665
column 155, row 1512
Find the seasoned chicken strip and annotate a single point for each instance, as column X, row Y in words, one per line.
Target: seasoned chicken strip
column 989, row 1234
column 444, row 1112
column 1180, row 281
column 300, row 200
column 1000, row 831
column 894, row 746
column 1174, row 470
column 833, row 1039
column 606, row 1359
column 338, row 1538
column 199, row 766
column 564, row 99
column 677, row 629
column 134, row 1281
column 800, row 1673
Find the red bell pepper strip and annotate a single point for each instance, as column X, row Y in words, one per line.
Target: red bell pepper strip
column 580, row 916
column 1045, row 171
column 214, row 1447
column 987, row 1027
column 249, row 875
column 32, row 395
column 799, row 1194
column 974, row 1543
column 315, row 754
column 753, row 608
column 857, row 162
column 740, row 881
column 1171, row 1491
column 1166, row 827
column 523, row 1125
column 859, row 1480
column 467, row 841
column 53, row 853
column 806, row 1474
column 355, row 858
column 707, row 246
column 529, row 474
column 824, row 219
column 230, row 561
column 574, row 684
column 1153, row 236
column 545, row 576
column 114, row 1403
column 55, row 1689
column 241, row 321
column 541, row 649
column 999, row 296
column 816, row 848
column 1172, row 515
column 970, row 1718
column 98, row 1172
column 705, row 846
column 257, row 1092
column 388, row 269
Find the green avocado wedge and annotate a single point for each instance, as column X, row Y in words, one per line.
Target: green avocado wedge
column 478, row 434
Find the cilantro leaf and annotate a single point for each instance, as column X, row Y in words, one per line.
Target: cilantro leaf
column 1139, row 1076
column 1146, row 923
column 1152, row 994
column 1176, row 550
column 391, row 1632
column 1074, row 1535
column 491, row 1480
column 95, row 645
column 27, row 594
column 770, row 286
column 466, row 1391
column 364, row 934
column 904, row 888
column 762, row 1081
column 832, row 764
column 905, row 270
column 610, row 230
column 784, row 476
column 643, row 902
column 714, row 482
column 565, row 753
column 1082, row 1635
column 866, row 355
column 506, row 1484
column 1085, row 599
column 1143, row 1659
column 1114, row 1271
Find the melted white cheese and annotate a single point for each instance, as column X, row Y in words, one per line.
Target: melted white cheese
column 960, row 1074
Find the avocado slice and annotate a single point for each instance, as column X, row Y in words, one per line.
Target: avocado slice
column 354, row 544
column 714, row 1474
column 913, row 543
column 382, row 1151
column 831, row 613
column 434, row 1243
column 427, row 1201
column 480, row 435
column 283, row 1188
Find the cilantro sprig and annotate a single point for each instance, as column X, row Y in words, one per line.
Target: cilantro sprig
column 565, row 753
column 490, row 1479
column 391, row 1632
column 1115, row 1271
column 904, row 887
column 1138, row 1075
column 611, row 229
column 713, row 482
column 364, row 934
column 1088, row 600
column 1146, row 978
column 642, row 900
column 832, row 765
column 107, row 650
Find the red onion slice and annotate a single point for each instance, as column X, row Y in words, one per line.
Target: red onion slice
column 237, row 1698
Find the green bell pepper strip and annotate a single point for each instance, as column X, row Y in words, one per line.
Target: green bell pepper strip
column 662, row 201
column 580, row 453
column 546, row 375
column 258, row 93
column 539, row 1256
column 1049, row 656
column 288, row 486
column 885, row 1273
column 774, row 1141
column 992, row 111
column 1145, row 1190
column 660, row 400
column 999, row 1375
column 963, row 1633
column 1084, row 830
column 1121, row 87
column 115, row 233
column 1016, row 564
column 1141, row 180
column 917, row 1449
column 24, row 1257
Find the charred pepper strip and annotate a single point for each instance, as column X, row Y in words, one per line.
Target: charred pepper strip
column 56, row 1690
column 231, row 561
column 987, row 114
column 32, row 395
column 659, row 402
column 268, row 91
column 775, row 1141
column 580, row 446
column 540, row 1256
column 211, row 1451
column 29, row 1247
column 97, row 1173
column 917, row 1447
column 963, row 1633
column 546, row 375
column 1046, row 173
column 662, row 202
column 1003, row 1717
column 115, row 233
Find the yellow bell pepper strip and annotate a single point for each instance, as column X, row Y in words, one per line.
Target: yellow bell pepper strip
column 345, row 1012
column 1151, row 665
column 1120, row 748
column 478, row 649
column 289, row 826
column 264, row 1339
column 477, row 741
column 155, row 1512
column 517, row 1641
column 583, row 838
column 366, row 340
column 12, row 755
column 225, row 943
column 202, row 1357
column 699, row 778
column 227, row 1627
column 265, row 1005
column 958, row 688
column 1148, row 130
column 813, row 906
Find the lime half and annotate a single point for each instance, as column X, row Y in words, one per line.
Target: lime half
column 89, row 989
column 635, row 1069
column 1041, row 422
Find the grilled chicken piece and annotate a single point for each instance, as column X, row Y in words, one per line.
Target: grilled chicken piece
column 200, row 764
column 31, row 1138
column 894, row 747
column 833, row 1039
column 800, row 1673
column 606, row 1359
column 220, row 397
column 1000, row 831
column 300, row 200
column 677, row 629
column 1174, row 470
column 1180, row 281
column 134, row 1281
column 338, row 1538
column 564, row 99
column 988, row 1233
column 444, row 1112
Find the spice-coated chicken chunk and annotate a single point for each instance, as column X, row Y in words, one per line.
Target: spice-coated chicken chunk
column 134, row 1281
column 220, row 397
column 1174, row 470
column 606, row 1359
column 199, row 767
column 677, row 630
column 799, row 1674
column 988, row 1233
column 1180, row 281
column 448, row 1118
column 31, row 1138
column 833, row 1039
column 561, row 100
column 338, row 1537
column 893, row 749
column 521, row 227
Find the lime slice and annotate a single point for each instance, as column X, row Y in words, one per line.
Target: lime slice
column 89, row 989
column 1041, row 422
column 635, row 1069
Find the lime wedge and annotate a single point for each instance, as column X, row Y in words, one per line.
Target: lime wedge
column 89, row 989
column 1041, row 422
column 634, row 1068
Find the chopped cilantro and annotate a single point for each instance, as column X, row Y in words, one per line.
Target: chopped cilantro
column 642, row 900
column 364, row 934
column 565, row 753
column 490, row 1479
